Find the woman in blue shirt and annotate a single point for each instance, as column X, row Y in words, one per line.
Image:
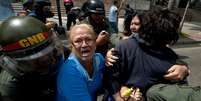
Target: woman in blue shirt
column 81, row 75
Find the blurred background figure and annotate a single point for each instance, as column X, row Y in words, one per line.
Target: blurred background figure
column 72, row 16
column 70, row 13
column 128, row 11
column 68, row 4
column 5, row 9
column 41, row 10
column 113, row 16
column 27, row 6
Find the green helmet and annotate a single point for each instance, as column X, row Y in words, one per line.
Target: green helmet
column 27, row 41
column 42, row 3
column 19, row 35
column 27, row 4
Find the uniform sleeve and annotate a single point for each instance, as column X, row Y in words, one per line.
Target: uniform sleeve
column 72, row 86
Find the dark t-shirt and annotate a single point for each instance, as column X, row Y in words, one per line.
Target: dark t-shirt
column 140, row 65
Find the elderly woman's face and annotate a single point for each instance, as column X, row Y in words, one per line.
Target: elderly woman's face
column 83, row 44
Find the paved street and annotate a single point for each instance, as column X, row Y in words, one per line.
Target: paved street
column 192, row 30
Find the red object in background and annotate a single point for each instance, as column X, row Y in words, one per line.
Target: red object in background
column 68, row 1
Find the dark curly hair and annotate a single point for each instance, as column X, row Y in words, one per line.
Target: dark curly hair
column 159, row 27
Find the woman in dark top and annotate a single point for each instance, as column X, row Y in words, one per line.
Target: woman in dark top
column 145, row 58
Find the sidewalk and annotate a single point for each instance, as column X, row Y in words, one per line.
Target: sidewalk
column 192, row 33
column 193, row 29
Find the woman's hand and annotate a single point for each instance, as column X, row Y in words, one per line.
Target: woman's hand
column 110, row 59
column 130, row 93
column 136, row 95
column 177, row 72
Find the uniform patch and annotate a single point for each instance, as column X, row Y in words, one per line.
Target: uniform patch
column 26, row 42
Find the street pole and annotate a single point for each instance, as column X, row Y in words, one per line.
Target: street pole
column 183, row 18
column 59, row 12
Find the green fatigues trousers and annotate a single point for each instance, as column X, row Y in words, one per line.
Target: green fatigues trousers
column 174, row 92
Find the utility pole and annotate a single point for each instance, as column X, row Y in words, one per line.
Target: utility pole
column 183, row 18
column 59, row 12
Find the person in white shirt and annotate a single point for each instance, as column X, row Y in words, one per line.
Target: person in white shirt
column 113, row 17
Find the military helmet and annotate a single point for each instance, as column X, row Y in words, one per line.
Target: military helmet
column 28, row 41
column 95, row 6
column 42, row 3
column 27, row 1
column 39, row 4
column 28, row 5
column 43, row 9
column 20, row 35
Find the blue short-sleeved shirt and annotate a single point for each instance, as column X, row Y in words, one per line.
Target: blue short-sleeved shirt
column 74, row 83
